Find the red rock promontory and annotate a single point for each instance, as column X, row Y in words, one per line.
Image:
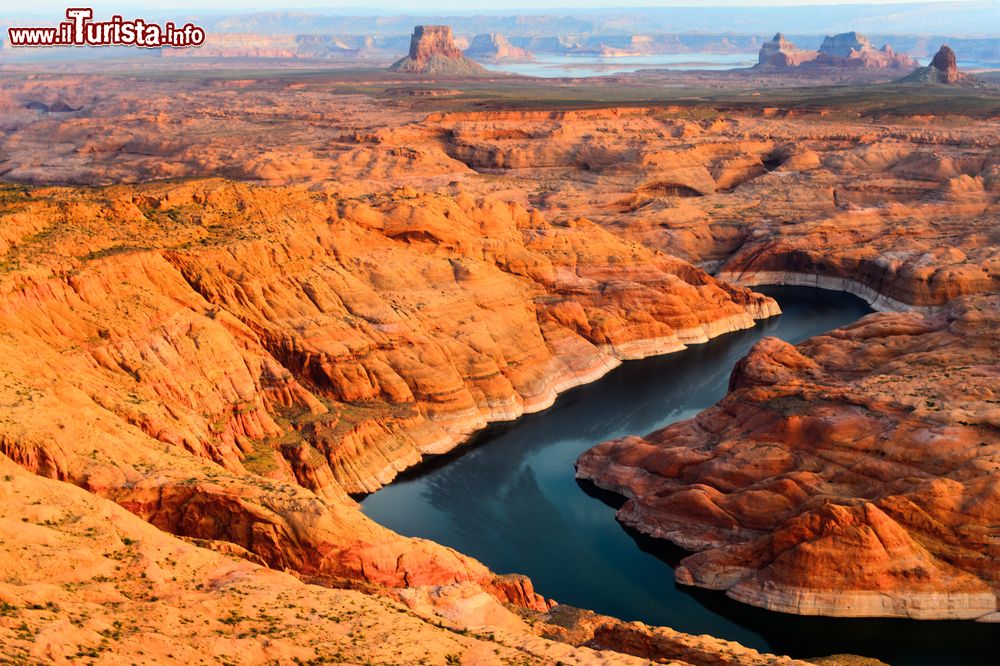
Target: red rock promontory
column 853, row 475
column 433, row 52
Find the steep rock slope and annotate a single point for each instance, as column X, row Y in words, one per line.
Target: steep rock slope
column 877, row 444
column 229, row 361
column 779, row 52
column 494, row 46
column 433, row 52
column 81, row 578
column 943, row 69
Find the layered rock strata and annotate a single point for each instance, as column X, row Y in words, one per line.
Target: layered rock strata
column 848, row 50
column 81, row 578
column 433, row 52
column 227, row 361
column 494, row 47
column 779, row 52
column 231, row 361
column 876, row 445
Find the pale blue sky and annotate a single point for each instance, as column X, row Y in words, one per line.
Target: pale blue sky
column 402, row 6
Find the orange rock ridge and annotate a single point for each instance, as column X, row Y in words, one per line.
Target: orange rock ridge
column 876, row 444
column 231, row 375
column 229, row 361
column 81, row 578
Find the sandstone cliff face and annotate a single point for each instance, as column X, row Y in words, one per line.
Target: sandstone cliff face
column 81, row 578
column 945, row 62
column 850, row 49
column 942, row 69
column 227, row 362
column 494, row 46
column 433, row 52
column 779, row 52
column 846, row 50
column 875, row 445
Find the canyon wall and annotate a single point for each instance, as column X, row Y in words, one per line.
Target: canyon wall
column 875, row 445
column 230, row 361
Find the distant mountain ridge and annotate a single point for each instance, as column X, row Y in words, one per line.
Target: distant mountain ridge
column 972, row 18
column 917, row 29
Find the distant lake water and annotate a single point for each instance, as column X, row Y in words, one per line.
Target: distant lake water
column 554, row 66
column 551, row 66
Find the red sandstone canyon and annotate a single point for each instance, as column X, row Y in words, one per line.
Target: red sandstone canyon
column 244, row 288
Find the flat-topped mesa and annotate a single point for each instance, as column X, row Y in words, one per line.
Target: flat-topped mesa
column 779, row 52
column 845, row 44
column 428, row 40
column 433, row 51
column 850, row 49
column 494, row 46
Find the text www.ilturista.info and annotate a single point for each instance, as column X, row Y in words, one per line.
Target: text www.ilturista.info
column 81, row 30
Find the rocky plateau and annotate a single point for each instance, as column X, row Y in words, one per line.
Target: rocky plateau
column 229, row 306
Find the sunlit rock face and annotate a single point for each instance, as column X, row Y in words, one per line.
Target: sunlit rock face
column 943, row 69
column 846, row 50
column 323, row 289
column 779, row 52
column 494, row 47
column 433, row 52
column 875, row 445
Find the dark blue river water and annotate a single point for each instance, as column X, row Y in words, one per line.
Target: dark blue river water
column 510, row 500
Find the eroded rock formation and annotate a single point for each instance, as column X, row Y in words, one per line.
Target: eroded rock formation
column 433, row 52
column 779, row 52
column 494, row 46
column 850, row 49
column 846, row 50
column 228, row 361
column 944, row 61
column 943, row 68
column 876, row 445
column 234, row 374
column 81, row 578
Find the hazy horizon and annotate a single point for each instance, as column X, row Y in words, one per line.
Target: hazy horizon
column 459, row 7
column 952, row 18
